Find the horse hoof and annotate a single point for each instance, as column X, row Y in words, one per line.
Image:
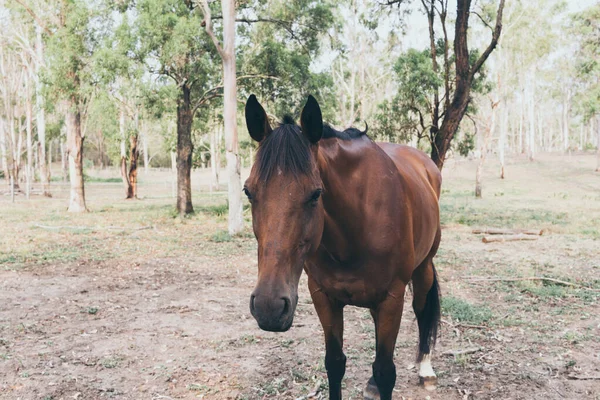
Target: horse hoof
column 428, row 382
column 371, row 392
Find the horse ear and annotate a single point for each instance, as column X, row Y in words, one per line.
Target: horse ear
column 256, row 119
column 311, row 120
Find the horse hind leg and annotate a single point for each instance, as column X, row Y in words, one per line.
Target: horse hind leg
column 426, row 304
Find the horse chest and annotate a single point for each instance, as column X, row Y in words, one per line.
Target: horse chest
column 349, row 284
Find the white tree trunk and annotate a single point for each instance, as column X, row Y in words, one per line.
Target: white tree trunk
column 502, row 139
column 3, row 154
column 40, row 113
column 214, row 183
column 123, row 163
column 145, row 145
column 598, row 144
column 521, row 117
column 236, row 220
column 174, row 171
column 566, row 120
column 63, row 161
column 486, row 134
column 75, row 150
column 591, row 138
column 29, row 128
column 531, row 133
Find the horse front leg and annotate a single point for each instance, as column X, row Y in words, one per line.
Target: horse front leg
column 331, row 315
column 387, row 316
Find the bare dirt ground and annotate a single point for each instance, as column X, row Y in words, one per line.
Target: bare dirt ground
column 130, row 302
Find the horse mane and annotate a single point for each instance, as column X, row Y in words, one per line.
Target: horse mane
column 346, row 134
column 286, row 149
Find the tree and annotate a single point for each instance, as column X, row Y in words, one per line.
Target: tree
column 172, row 45
column 450, row 102
column 586, row 27
column 73, row 39
column 121, row 74
column 227, row 53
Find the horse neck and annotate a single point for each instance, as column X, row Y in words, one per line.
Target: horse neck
column 342, row 165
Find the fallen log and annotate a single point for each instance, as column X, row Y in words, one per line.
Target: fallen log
column 502, row 231
column 507, row 238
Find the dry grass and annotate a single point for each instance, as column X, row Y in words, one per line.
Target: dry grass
column 103, row 308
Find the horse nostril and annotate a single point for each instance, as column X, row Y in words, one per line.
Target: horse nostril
column 286, row 306
column 252, row 297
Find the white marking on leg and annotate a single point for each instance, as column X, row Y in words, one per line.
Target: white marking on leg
column 425, row 369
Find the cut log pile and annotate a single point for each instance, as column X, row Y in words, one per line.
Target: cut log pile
column 508, row 235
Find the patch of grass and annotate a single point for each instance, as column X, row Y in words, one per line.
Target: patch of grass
column 217, row 210
column 544, row 290
column 92, row 310
column 197, row 387
column 273, row 387
column 462, row 311
column 97, row 179
column 111, row 362
column 221, row 236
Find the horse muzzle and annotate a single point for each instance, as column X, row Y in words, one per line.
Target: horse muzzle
column 273, row 313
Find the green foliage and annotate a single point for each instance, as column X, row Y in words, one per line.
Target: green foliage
column 278, row 55
column 460, row 310
column 465, row 146
column 409, row 113
column 586, row 27
column 70, row 50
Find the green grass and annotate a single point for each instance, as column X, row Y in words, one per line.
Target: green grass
column 461, row 310
column 221, row 236
column 97, row 179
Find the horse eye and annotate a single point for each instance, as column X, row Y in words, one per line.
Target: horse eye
column 247, row 193
column 315, row 196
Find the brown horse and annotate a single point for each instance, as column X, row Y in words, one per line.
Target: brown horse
column 362, row 219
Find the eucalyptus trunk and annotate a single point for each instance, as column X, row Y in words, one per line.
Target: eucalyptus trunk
column 598, row 144
column 41, row 116
column 145, row 150
column 123, row 163
column 29, row 128
column 214, row 154
column 487, row 134
column 236, row 220
column 184, row 152
column 566, row 104
column 502, row 140
column 531, row 132
column 3, row 154
column 75, row 153
column 134, row 153
column 63, row 161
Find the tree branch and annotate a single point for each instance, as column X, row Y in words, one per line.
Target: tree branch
column 213, row 92
column 207, row 23
column 483, row 20
column 35, row 17
column 493, row 43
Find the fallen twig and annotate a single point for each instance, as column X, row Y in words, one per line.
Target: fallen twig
column 462, row 352
column 533, row 278
column 584, row 378
column 92, row 228
column 63, row 227
column 501, row 231
column 461, row 325
column 507, row 238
